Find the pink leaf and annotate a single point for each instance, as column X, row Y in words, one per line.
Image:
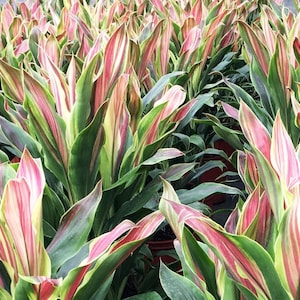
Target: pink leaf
column 115, row 59
column 115, row 126
column 287, row 249
column 254, row 130
column 32, row 170
column 230, row 111
column 103, row 245
column 283, row 155
column 256, row 218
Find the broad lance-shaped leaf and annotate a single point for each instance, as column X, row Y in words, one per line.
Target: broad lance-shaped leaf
column 280, row 76
column 40, row 287
column 22, row 247
column 84, row 156
column 255, row 46
column 74, row 229
column 283, row 155
column 115, row 126
column 162, row 60
column 271, row 183
column 256, row 218
column 248, row 170
column 101, row 244
column 162, row 155
column 246, row 262
column 201, row 271
column 159, row 88
column 58, row 86
column 115, row 60
column 82, row 111
column 172, row 99
column 32, row 170
column 254, row 130
column 48, row 126
column 230, row 111
column 148, row 47
column 16, row 138
column 104, row 256
column 12, row 82
column 154, row 127
column 287, row 249
column 179, row 287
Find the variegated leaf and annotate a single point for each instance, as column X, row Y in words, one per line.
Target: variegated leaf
column 287, row 249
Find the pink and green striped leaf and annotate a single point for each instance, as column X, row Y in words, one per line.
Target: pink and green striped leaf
column 58, row 86
column 256, row 47
column 114, row 63
column 97, row 248
column 21, row 212
column 74, row 229
column 12, row 82
column 277, row 197
column 172, row 99
column 201, row 271
column 39, row 287
column 48, row 127
column 283, row 155
column 163, row 55
column 256, row 219
column 115, row 126
column 82, row 110
column 153, row 128
column 245, row 261
column 83, row 281
column 148, row 48
column 248, row 170
column 280, row 78
column 255, row 132
column 287, row 249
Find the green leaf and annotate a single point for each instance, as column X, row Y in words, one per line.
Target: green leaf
column 178, row 287
column 145, row 296
column 47, row 126
column 246, row 262
column 17, row 138
column 197, row 259
column 74, row 229
column 12, row 82
column 271, row 184
column 84, row 156
column 7, row 173
column 287, row 249
column 241, row 94
column 162, row 155
column 105, row 255
column 37, row 287
column 159, row 87
column 4, row 294
column 82, row 107
column 204, row 190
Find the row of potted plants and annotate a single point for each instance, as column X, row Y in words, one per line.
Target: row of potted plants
column 109, row 111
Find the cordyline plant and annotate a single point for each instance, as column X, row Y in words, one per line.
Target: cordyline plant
column 85, row 87
column 70, row 267
column 271, row 49
column 90, row 122
column 256, row 255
